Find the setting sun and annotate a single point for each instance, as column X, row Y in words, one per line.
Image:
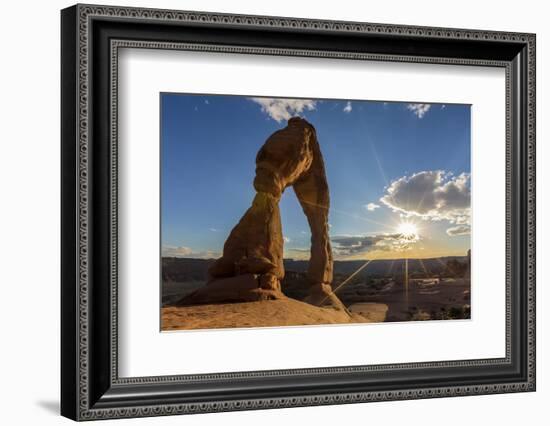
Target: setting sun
column 407, row 229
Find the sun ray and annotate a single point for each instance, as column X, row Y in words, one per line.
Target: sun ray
column 355, row 216
column 407, row 282
column 381, row 170
column 441, row 262
column 424, row 267
column 379, row 164
column 391, row 267
column 352, row 275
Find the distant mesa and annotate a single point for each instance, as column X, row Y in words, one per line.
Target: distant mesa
column 251, row 267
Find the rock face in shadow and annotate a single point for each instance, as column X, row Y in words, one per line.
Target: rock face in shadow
column 241, row 288
column 253, row 251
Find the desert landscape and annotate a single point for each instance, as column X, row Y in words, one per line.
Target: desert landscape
column 438, row 289
column 301, row 213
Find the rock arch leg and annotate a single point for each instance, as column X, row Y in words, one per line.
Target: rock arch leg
column 313, row 195
column 251, row 266
column 255, row 244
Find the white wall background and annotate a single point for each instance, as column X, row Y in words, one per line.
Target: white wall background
column 29, row 211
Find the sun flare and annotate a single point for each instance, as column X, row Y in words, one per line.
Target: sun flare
column 407, row 229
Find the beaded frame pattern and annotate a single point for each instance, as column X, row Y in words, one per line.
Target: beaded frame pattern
column 86, row 12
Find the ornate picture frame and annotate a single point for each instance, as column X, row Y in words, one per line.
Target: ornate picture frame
column 91, row 37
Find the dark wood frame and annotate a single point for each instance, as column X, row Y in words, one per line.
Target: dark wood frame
column 90, row 386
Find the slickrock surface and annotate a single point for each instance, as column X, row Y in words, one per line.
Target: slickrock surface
column 265, row 313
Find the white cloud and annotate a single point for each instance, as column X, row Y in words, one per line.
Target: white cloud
column 431, row 195
column 280, row 109
column 419, row 110
column 206, row 101
column 372, row 207
column 346, row 245
column 459, row 230
column 181, row 251
column 297, row 253
column 213, row 230
column 174, row 251
column 286, row 240
column 348, row 107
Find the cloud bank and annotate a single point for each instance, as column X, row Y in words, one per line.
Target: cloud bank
column 434, row 195
column 280, row 109
column 347, row 245
column 181, row 251
column 459, row 230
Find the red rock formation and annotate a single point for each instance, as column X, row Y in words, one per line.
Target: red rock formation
column 254, row 248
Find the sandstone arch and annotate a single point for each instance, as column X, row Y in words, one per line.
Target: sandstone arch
column 251, row 266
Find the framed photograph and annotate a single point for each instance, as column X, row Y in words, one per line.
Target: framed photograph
column 263, row 212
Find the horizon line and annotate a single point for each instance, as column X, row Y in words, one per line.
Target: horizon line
column 335, row 260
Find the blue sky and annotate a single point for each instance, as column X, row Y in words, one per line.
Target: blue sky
column 387, row 164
